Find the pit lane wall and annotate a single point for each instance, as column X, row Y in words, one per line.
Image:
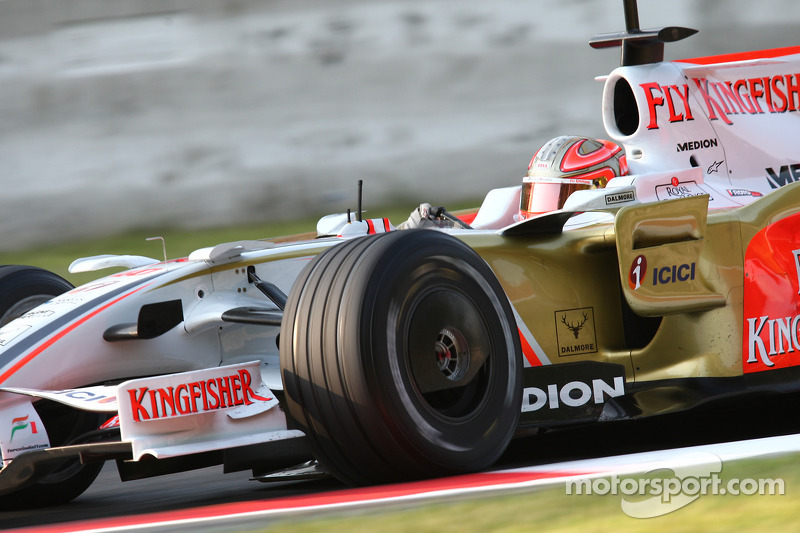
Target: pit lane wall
column 192, row 113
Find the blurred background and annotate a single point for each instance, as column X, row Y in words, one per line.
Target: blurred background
column 121, row 114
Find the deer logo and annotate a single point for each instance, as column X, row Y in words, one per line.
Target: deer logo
column 575, row 327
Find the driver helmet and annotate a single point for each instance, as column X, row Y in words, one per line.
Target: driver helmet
column 564, row 165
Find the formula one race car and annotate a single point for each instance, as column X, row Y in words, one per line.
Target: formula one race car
column 379, row 355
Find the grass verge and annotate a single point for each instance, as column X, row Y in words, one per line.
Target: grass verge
column 553, row 510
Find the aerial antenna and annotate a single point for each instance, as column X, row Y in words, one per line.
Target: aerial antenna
column 163, row 245
column 639, row 47
column 360, row 188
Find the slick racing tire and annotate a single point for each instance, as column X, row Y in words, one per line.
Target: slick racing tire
column 21, row 289
column 401, row 359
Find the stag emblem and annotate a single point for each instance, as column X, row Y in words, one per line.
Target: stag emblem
column 574, row 327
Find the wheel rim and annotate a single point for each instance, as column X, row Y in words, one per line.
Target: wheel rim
column 448, row 346
column 452, row 354
column 23, row 306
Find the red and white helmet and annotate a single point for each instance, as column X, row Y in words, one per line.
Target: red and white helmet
column 567, row 164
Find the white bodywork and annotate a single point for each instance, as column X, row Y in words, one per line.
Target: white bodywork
column 57, row 351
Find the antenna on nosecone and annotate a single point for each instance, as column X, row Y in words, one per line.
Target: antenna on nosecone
column 163, row 245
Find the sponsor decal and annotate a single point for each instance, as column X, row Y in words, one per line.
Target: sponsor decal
column 15, row 328
column 679, row 189
column 93, row 287
column 66, row 300
column 39, row 313
column 87, row 395
column 697, row 145
column 796, row 255
column 136, row 272
column 721, row 100
column 571, row 390
column 21, row 430
column 743, row 192
column 11, row 331
column 27, row 447
column 620, row 198
column 714, row 167
column 100, row 398
column 673, row 274
column 193, row 395
column 575, row 331
column 22, row 423
column 661, row 275
column 637, row 272
column 771, row 333
column 785, row 175
column 572, row 394
column 781, row 338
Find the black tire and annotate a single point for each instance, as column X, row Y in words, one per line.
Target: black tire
column 21, row 289
column 401, row 359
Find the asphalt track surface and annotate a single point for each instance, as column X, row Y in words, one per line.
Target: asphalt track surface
column 109, row 498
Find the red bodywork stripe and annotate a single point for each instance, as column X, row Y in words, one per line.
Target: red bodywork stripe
column 528, row 352
column 55, row 338
column 469, row 217
column 743, row 56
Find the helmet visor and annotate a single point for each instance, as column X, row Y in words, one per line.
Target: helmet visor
column 542, row 195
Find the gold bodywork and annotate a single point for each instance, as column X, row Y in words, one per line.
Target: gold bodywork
column 555, row 280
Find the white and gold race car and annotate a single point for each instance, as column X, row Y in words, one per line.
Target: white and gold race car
column 379, row 355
